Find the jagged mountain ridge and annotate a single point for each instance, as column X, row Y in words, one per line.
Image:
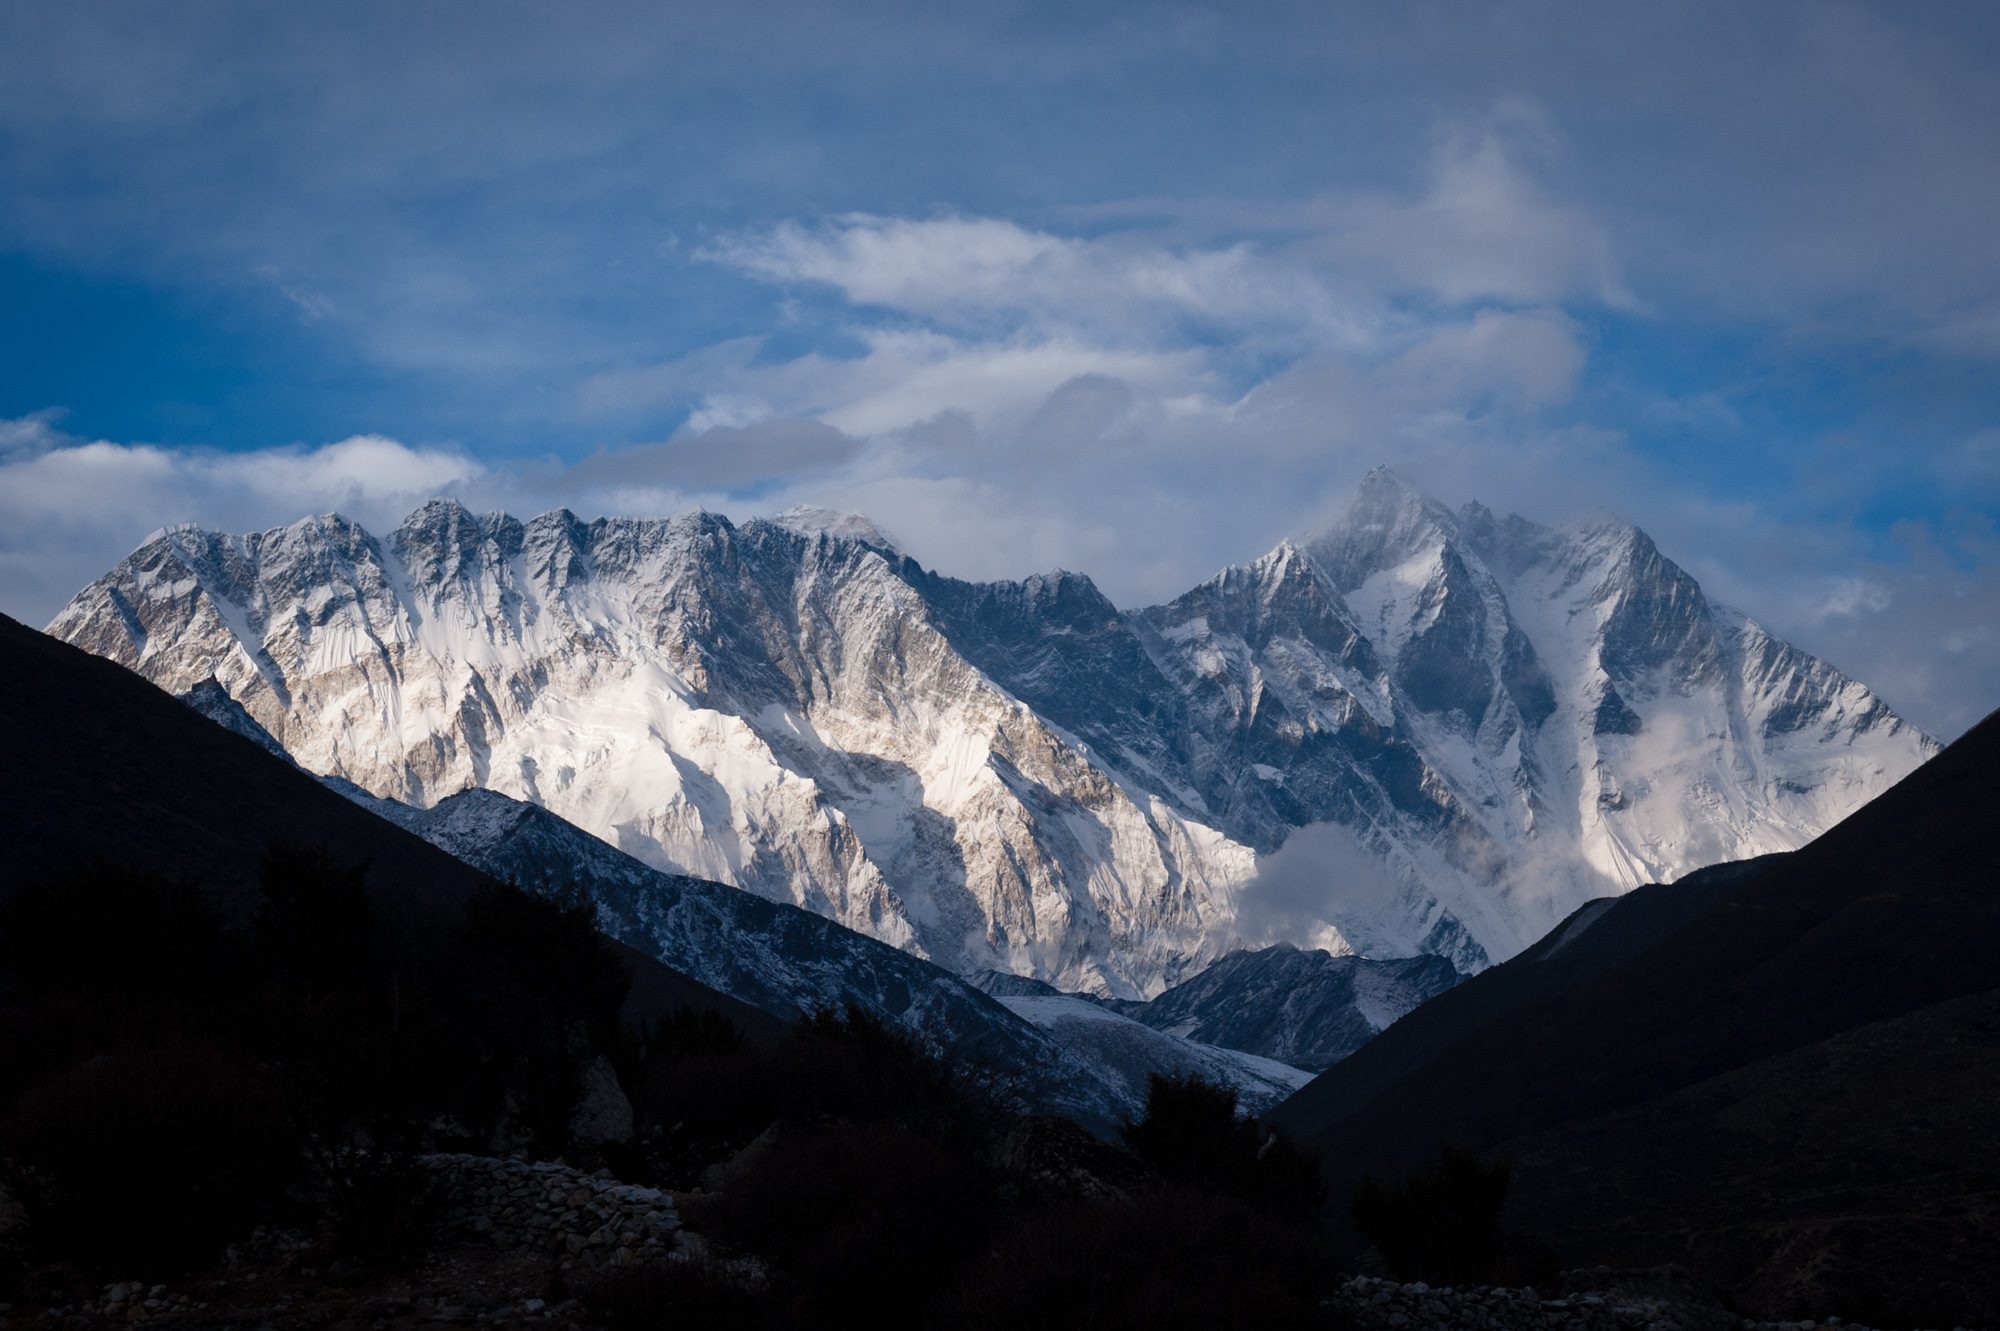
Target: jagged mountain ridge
column 1019, row 775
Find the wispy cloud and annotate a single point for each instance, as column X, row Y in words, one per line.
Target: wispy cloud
column 979, row 273
column 1130, row 290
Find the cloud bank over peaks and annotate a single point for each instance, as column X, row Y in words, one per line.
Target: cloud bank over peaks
column 65, row 501
column 1145, row 390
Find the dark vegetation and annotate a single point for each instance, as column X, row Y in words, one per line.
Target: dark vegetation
column 877, row 1183
column 160, row 1063
column 1193, row 1136
column 1445, row 1224
column 213, row 1016
column 174, row 1081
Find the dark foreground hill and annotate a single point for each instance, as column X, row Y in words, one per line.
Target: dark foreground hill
column 1783, row 1074
column 103, row 767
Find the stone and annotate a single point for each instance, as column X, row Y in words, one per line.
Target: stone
column 603, row 1113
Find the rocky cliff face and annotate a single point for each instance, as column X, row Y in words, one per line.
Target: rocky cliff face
column 1018, row 775
column 1306, row 1009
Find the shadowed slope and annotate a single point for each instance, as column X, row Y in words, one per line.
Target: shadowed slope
column 1609, row 1042
column 107, row 767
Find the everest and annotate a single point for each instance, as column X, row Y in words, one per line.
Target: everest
column 1419, row 731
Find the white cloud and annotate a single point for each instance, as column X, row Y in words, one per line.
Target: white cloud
column 1320, row 889
column 979, row 273
column 901, row 378
column 366, row 471
column 1849, row 597
column 70, row 507
column 28, row 435
column 1482, row 229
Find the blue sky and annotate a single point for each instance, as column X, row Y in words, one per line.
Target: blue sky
column 1133, row 289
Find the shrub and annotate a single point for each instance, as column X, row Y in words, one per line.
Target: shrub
column 1192, row 1135
column 854, row 1065
column 695, row 1293
column 1169, row 1259
column 1441, row 1224
column 382, row 1209
column 869, row 1220
column 150, row 1160
column 313, row 928
column 545, row 957
column 703, row 1092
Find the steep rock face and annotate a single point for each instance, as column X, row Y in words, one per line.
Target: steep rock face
column 1293, row 723
column 1302, row 1009
column 1490, row 721
column 765, row 706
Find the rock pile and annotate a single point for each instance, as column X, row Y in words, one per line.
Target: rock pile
column 584, row 1221
column 136, row 1301
column 1384, row 1305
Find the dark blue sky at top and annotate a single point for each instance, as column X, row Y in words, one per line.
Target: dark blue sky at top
column 1729, row 269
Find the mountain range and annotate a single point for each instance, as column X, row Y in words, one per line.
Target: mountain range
column 1418, row 732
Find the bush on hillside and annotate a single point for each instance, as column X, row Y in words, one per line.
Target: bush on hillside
column 144, row 1161
column 1441, row 1224
column 866, row 1220
column 1167, row 1259
column 702, row 1092
column 382, row 1208
column 161, row 1071
column 1192, row 1135
column 313, row 927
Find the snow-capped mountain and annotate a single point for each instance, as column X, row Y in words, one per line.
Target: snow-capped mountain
column 1483, row 722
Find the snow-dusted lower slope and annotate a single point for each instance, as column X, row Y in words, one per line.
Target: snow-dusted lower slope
column 1305, row 1008
column 772, row 708
column 1480, row 723
column 780, row 958
column 1132, row 1053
